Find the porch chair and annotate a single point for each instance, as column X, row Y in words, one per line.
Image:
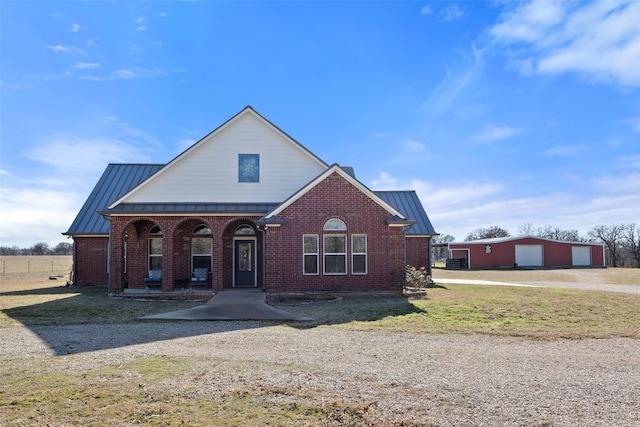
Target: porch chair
column 155, row 276
column 200, row 276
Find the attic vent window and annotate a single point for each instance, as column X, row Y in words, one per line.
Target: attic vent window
column 248, row 167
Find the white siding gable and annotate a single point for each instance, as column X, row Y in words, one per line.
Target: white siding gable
column 208, row 171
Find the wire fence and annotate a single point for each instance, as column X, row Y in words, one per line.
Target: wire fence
column 51, row 264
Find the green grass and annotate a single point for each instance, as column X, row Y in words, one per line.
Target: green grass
column 64, row 305
column 536, row 313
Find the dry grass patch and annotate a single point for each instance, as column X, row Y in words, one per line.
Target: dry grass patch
column 160, row 391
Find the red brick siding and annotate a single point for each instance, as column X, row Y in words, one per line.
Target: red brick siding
column 335, row 198
column 418, row 253
column 91, row 261
column 176, row 259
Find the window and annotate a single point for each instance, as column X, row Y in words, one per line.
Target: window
column 201, row 248
column 248, row 168
column 335, row 253
column 245, row 230
column 359, row 253
column 334, row 224
column 155, row 253
column 310, row 254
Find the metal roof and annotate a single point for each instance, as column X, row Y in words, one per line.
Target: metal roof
column 194, row 208
column 116, row 180
column 409, row 204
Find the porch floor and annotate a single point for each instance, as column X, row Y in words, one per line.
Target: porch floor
column 232, row 304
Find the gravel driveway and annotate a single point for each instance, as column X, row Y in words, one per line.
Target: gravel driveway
column 404, row 379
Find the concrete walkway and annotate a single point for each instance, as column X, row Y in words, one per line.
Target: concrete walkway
column 232, row 304
column 480, row 282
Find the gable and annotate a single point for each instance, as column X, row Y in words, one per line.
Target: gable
column 208, row 171
column 335, row 169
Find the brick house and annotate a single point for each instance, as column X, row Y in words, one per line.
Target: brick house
column 246, row 206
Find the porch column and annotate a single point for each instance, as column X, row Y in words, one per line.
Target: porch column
column 168, row 284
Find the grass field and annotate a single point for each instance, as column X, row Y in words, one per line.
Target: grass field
column 137, row 390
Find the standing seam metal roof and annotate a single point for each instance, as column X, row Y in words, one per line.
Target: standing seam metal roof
column 118, row 179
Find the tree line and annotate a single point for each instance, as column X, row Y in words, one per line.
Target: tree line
column 621, row 241
column 40, row 248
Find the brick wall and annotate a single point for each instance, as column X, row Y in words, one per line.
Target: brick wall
column 335, row 198
column 418, row 254
column 91, row 261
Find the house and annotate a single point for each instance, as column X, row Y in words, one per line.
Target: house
column 246, row 206
column 526, row 251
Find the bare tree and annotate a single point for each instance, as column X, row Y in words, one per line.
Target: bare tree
column 40, row 248
column 63, row 248
column 441, row 252
column 526, row 229
column 632, row 242
column 611, row 236
column 487, row 233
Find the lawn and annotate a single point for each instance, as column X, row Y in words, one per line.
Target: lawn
column 166, row 390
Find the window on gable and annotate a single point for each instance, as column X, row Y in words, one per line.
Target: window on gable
column 359, row 253
column 335, row 253
column 310, row 254
column 248, row 167
column 334, row 224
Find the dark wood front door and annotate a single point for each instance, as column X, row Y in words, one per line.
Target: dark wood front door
column 244, row 263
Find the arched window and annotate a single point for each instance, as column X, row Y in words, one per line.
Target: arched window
column 201, row 229
column 155, row 230
column 245, row 230
column 334, row 224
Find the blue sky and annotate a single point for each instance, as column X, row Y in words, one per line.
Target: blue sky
column 496, row 113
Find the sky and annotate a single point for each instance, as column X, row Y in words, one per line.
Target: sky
column 496, row 113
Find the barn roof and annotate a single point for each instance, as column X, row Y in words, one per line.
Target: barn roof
column 512, row 238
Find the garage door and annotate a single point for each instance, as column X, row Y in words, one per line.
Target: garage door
column 529, row 255
column 580, row 256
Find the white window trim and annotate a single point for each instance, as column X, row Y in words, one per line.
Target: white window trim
column 365, row 253
column 344, row 254
column 316, row 253
column 210, row 254
column 149, row 254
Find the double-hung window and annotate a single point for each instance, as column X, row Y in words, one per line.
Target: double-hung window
column 310, row 254
column 359, row 253
column 335, row 253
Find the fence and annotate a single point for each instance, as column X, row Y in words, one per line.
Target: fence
column 50, row 264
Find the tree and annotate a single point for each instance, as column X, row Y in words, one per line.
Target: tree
column 40, row 248
column 631, row 242
column 487, row 233
column 549, row 232
column 441, row 252
column 611, row 236
column 63, row 248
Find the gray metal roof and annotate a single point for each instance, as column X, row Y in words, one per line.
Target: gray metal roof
column 409, row 204
column 116, row 180
column 191, row 208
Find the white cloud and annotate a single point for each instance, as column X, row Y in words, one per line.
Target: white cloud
column 457, row 208
column 5, row 172
column 162, row 15
column 141, row 28
column 85, row 65
column 426, row 10
column 598, row 40
column 455, row 81
column 57, row 48
column 77, row 27
column 495, row 133
column 635, row 123
column 564, row 150
column 450, row 13
column 32, row 215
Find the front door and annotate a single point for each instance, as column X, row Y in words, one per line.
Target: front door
column 244, row 263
